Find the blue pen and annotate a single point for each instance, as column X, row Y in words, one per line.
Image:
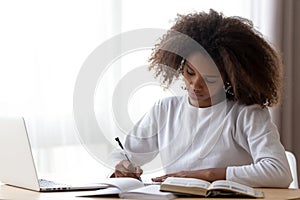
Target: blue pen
column 120, row 144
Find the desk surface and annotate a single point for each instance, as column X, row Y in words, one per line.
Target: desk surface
column 13, row 193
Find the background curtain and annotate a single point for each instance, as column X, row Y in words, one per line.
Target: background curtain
column 290, row 113
column 279, row 21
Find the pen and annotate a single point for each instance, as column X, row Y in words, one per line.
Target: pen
column 120, row 144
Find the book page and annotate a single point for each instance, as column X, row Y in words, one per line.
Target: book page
column 235, row 187
column 148, row 181
column 187, row 182
column 124, row 184
column 148, row 192
column 116, row 186
column 111, row 191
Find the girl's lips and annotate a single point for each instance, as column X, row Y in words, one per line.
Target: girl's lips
column 195, row 94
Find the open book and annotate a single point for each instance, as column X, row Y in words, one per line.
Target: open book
column 193, row 186
column 129, row 188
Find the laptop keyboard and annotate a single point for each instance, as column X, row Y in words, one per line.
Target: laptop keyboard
column 46, row 183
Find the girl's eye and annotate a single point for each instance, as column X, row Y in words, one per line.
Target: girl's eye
column 190, row 72
column 211, row 79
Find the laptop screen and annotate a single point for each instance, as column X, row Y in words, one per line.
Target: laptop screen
column 17, row 165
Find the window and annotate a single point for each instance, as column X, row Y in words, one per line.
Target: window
column 43, row 47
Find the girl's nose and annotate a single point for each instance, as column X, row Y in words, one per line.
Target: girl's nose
column 197, row 83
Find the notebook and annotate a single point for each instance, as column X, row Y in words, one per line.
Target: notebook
column 17, row 166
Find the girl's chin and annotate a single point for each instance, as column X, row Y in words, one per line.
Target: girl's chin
column 198, row 102
column 198, row 98
column 204, row 101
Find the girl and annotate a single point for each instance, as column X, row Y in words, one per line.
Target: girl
column 222, row 128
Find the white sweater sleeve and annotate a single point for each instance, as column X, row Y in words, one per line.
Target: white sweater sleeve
column 142, row 143
column 259, row 136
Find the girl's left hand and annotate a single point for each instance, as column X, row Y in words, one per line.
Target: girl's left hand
column 210, row 174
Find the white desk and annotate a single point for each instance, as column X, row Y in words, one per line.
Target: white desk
column 13, row 193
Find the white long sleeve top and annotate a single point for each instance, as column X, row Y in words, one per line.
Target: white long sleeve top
column 228, row 135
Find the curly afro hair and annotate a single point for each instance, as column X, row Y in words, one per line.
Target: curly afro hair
column 251, row 65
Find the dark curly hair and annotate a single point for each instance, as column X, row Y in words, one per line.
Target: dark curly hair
column 248, row 62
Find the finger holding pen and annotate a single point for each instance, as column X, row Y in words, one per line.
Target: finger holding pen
column 126, row 169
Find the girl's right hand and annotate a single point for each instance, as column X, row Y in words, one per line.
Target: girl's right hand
column 126, row 169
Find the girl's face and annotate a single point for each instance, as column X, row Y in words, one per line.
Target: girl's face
column 203, row 81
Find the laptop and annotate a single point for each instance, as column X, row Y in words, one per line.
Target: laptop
column 17, row 166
